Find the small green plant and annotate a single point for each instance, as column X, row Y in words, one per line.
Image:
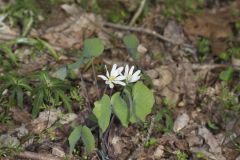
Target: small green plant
column 164, row 120
column 227, row 74
column 51, row 92
column 229, row 99
column 203, row 47
column 178, row 9
column 132, row 104
column 181, row 155
column 15, row 87
column 150, row 142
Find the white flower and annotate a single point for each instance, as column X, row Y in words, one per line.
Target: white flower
column 131, row 77
column 115, row 76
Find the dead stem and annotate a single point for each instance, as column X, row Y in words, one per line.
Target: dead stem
column 138, row 13
column 85, row 90
column 95, row 79
column 37, row 156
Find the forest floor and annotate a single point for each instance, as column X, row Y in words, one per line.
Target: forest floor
column 189, row 54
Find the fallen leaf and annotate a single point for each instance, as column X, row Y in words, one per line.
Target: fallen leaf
column 174, row 32
column 181, row 121
column 210, row 140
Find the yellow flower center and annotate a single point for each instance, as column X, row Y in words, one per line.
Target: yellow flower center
column 111, row 78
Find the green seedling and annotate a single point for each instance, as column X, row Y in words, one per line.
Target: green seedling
column 50, row 91
column 203, row 48
column 16, row 88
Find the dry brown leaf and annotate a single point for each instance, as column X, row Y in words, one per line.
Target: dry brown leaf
column 181, row 121
column 174, row 32
column 20, row 116
column 176, row 80
column 207, row 25
column 71, row 32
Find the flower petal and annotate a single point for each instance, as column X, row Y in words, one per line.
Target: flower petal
column 126, row 70
column 120, row 78
column 120, row 69
column 136, row 73
column 134, row 79
column 131, row 70
column 107, row 71
column 103, row 77
column 114, row 68
column 111, row 85
column 120, row 82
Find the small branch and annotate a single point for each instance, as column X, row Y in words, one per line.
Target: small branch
column 138, row 13
column 37, row 156
column 141, row 30
column 140, row 147
column 211, row 66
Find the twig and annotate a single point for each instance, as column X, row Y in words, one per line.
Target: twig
column 142, row 30
column 140, row 147
column 211, row 66
column 138, row 13
column 37, row 156
column 95, row 79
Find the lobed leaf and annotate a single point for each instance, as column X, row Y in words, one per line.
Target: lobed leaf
column 120, row 108
column 88, row 139
column 143, row 100
column 131, row 42
column 74, row 137
column 93, row 47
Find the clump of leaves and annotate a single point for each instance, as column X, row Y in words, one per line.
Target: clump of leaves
column 181, row 155
column 203, row 47
column 15, row 87
column 234, row 51
column 229, row 99
column 23, row 12
column 50, row 91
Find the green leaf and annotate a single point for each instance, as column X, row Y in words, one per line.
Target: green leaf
column 7, row 49
column 20, row 97
column 65, row 99
column 143, row 100
column 74, row 137
column 27, row 24
column 93, row 47
column 37, row 103
column 61, row 73
column 50, row 48
column 227, row 74
column 131, row 42
column 120, row 108
column 102, row 111
column 88, row 139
